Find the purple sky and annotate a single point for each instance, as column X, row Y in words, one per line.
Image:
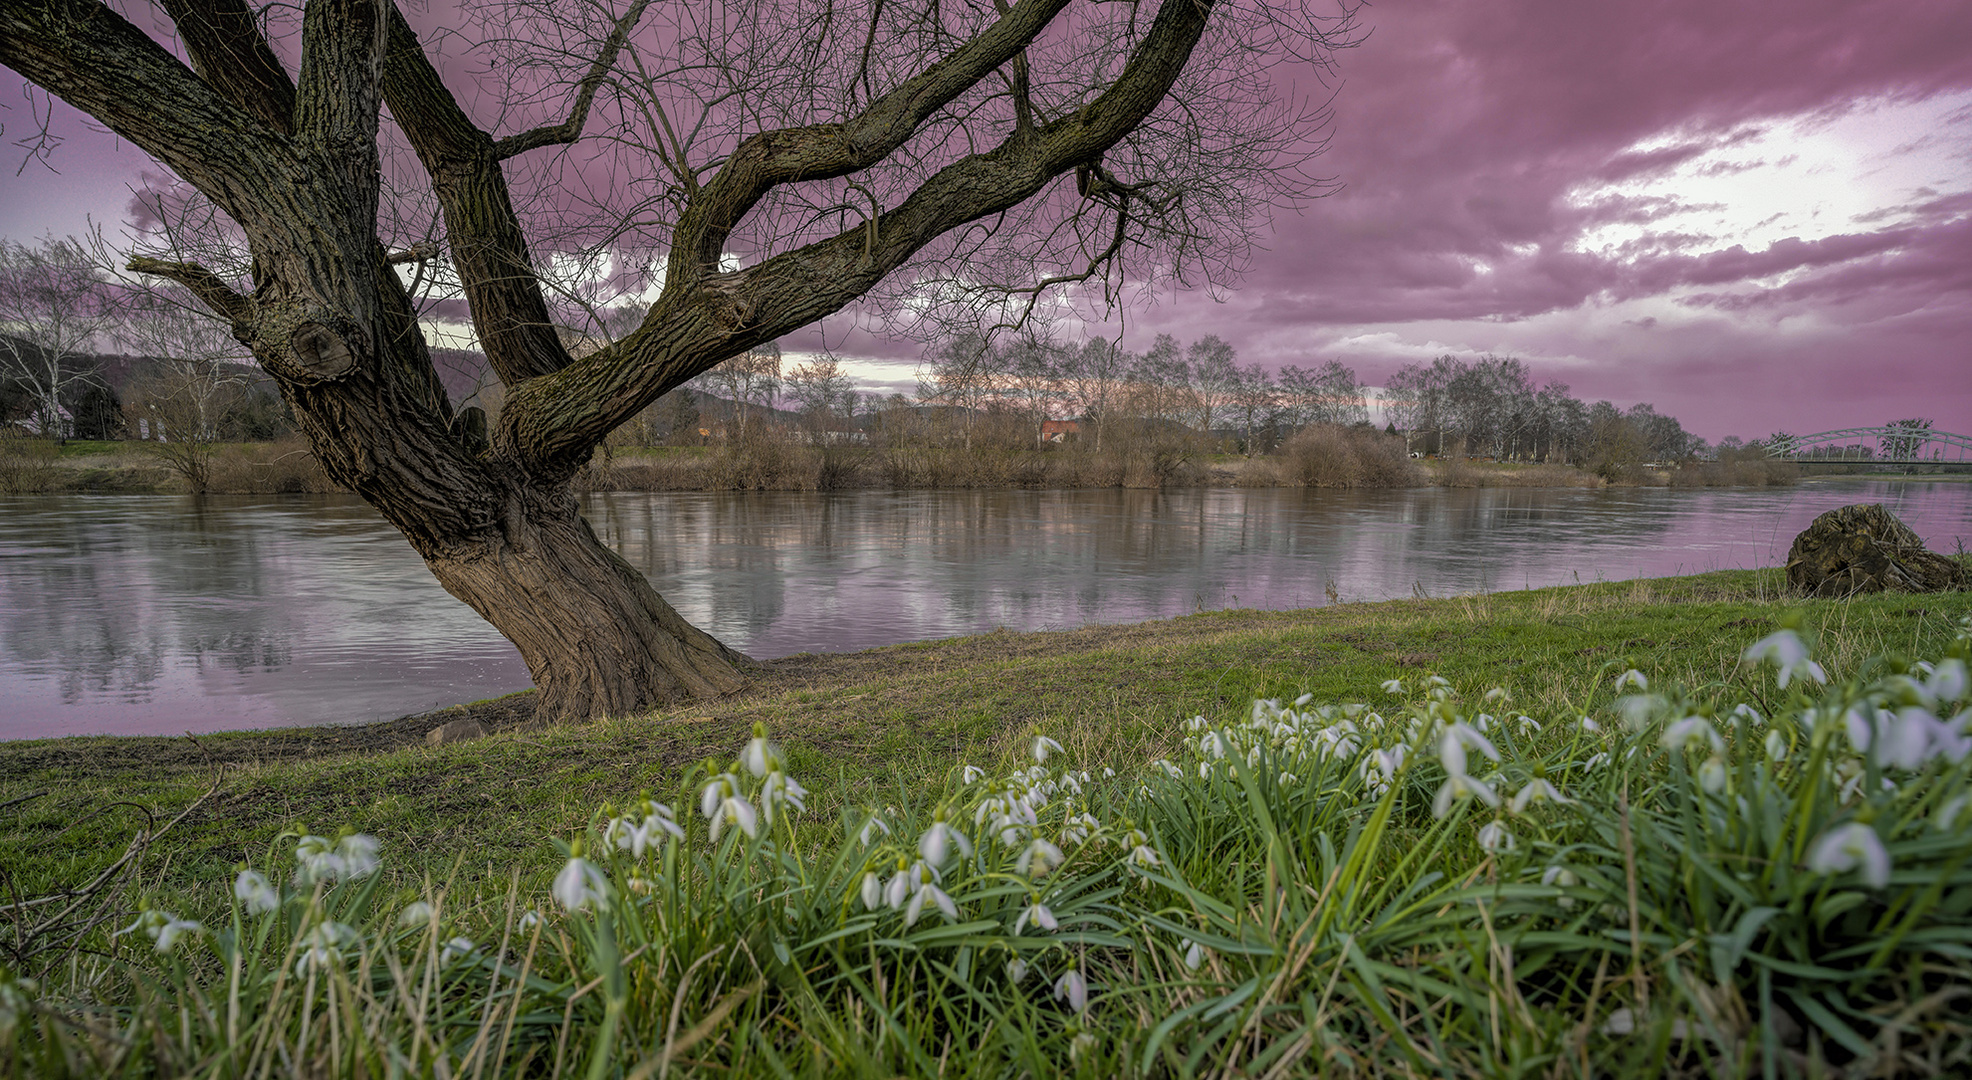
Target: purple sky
column 1755, row 215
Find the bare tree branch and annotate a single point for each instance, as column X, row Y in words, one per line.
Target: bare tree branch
column 571, row 129
column 204, row 284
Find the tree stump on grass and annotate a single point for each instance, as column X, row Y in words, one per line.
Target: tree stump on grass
column 1865, row 549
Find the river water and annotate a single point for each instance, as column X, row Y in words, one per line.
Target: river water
column 164, row 614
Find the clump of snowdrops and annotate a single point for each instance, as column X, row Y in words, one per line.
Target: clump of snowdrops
column 1769, row 874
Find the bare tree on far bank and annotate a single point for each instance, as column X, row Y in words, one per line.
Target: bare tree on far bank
column 56, row 309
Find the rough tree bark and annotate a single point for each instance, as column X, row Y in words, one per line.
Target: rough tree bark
column 295, row 162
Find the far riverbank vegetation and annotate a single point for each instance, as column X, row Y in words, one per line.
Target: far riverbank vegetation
column 1023, row 413
column 1683, row 827
column 185, row 409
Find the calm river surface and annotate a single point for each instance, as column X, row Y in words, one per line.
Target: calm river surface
column 162, row 614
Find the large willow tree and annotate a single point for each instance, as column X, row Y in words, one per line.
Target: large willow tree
column 776, row 160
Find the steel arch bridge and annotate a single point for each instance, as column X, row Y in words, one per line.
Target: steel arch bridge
column 1886, row 445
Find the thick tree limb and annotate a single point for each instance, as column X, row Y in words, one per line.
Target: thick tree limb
column 94, row 59
column 509, row 313
column 230, row 54
column 570, row 129
column 822, row 151
column 553, row 423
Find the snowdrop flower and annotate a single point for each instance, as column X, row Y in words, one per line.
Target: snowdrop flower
column 1562, row 877
column 1948, row 738
column 1528, row 725
column 1194, row 955
column 1140, row 855
column 1712, row 775
column 1038, row 914
column 1380, row 766
column 415, row 914
column 530, row 919
column 1776, row 745
column 1168, row 769
column 636, row 836
column 971, row 774
column 907, row 882
column 255, row 893
column 1589, row 724
column 456, row 949
column 1786, row 650
column 780, row 789
column 760, row 756
column 580, row 884
column 1637, row 709
column 1038, row 858
column 938, row 841
column 721, row 803
column 320, row 859
column 1459, row 786
column 1494, row 837
column 359, row 855
column 1016, row 970
column 1690, row 733
column 1043, row 746
column 1496, row 694
column 937, row 896
column 1632, row 677
column 1393, row 686
column 1079, row 827
column 870, row 829
column 1452, row 747
column 1858, row 726
column 1747, row 713
column 1949, row 681
column 1072, row 989
column 1596, row 761
column 872, row 890
column 1903, row 738
column 1082, row 1043
column 1849, row 847
column 322, row 946
column 1537, row 790
column 163, row 927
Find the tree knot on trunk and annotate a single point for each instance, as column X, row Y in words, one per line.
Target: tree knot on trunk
column 731, row 303
column 324, row 351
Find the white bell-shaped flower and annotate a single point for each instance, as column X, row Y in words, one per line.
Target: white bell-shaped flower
column 1849, row 847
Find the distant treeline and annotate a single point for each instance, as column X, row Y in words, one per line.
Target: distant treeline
column 186, row 388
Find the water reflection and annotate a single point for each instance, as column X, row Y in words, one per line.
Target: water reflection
column 160, row 614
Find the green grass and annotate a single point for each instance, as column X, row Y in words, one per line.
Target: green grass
column 82, row 448
column 1280, row 884
column 897, row 719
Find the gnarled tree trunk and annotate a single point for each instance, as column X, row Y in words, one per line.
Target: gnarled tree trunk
column 597, row 638
column 294, row 161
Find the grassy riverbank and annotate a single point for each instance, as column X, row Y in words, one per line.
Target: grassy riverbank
column 1462, row 990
